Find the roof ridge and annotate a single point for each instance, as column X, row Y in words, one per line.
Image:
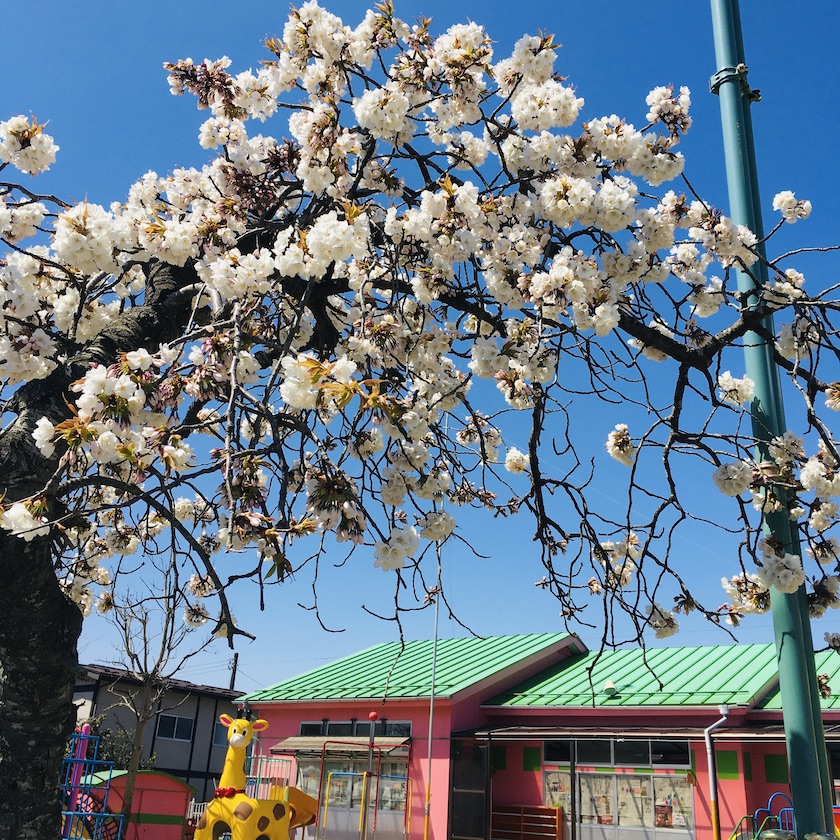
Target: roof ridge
column 370, row 673
column 673, row 676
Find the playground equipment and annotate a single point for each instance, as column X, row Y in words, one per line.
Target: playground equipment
column 234, row 812
column 367, row 805
column 86, row 783
column 776, row 816
column 779, row 806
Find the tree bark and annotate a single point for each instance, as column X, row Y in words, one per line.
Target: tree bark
column 39, row 626
column 39, row 629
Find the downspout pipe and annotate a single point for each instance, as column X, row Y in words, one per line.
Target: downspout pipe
column 713, row 779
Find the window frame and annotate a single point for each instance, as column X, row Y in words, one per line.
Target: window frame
column 667, row 766
column 391, row 724
column 220, row 729
column 348, row 723
column 648, row 763
column 321, row 724
column 174, row 736
column 656, row 765
column 359, row 727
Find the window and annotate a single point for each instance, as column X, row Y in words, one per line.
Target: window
column 340, row 728
column 674, row 803
column 174, row 728
column 597, row 806
column 345, row 786
column 658, row 802
column 315, row 727
column 220, row 734
column 361, row 728
column 594, row 752
column 634, row 801
column 389, row 728
column 397, row 728
column 619, row 752
column 557, row 752
column 632, row 753
column 670, row 754
column 357, row 728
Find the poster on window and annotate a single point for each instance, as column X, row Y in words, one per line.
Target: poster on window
column 557, row 789
column 391, row 794
column 392, row 786
column 308, row 776
column 596, row 800
column 673, row 803
column 635, row 800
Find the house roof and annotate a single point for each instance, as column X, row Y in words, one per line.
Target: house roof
column 735, row 675
column 404, row 670
column 828, row 663
column 110, row 674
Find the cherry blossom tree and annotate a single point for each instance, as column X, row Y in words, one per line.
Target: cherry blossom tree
column 294, row 348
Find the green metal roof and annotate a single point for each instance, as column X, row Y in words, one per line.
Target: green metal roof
column 393, row 670
column 827, row 662
column 736, row 675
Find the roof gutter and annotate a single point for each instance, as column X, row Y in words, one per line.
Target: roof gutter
column 713, row 780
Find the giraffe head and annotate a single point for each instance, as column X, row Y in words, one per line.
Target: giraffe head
column 241, row 731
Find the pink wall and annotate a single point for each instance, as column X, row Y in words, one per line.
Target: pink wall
column 759, row 789
column 739, row 797
column 513, row 785
column 284, row 722
column 156, row 795
column 732, row 795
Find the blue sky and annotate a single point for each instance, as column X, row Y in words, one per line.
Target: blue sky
column 94, row 70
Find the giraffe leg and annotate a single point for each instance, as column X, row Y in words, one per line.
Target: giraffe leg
column 219, row 828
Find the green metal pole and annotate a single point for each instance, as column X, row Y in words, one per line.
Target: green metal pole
column 811, row 667
column 807, row 761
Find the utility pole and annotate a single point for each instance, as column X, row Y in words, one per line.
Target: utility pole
column 810, row 781
column 233, row 670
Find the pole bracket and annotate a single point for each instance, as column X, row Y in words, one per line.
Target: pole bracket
column 734, row 74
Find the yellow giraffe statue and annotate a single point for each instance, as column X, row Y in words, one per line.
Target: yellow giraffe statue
column 235, row 813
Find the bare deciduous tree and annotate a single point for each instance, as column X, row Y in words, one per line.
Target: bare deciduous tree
column 156, row 642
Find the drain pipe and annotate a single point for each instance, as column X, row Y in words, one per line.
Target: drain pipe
column 713, row 780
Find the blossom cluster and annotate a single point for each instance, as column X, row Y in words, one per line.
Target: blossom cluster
column 437, row 223
column 780, row 570
column 391, row 553
column 734, row 390
column 25, row 145
column 662, row 621
column 791, row 208
column 620, row 445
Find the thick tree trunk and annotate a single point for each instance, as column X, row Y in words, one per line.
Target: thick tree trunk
column 39, row 626
column 39, row 629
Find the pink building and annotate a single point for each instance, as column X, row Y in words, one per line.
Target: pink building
column 159, row 805
column 523, row 725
